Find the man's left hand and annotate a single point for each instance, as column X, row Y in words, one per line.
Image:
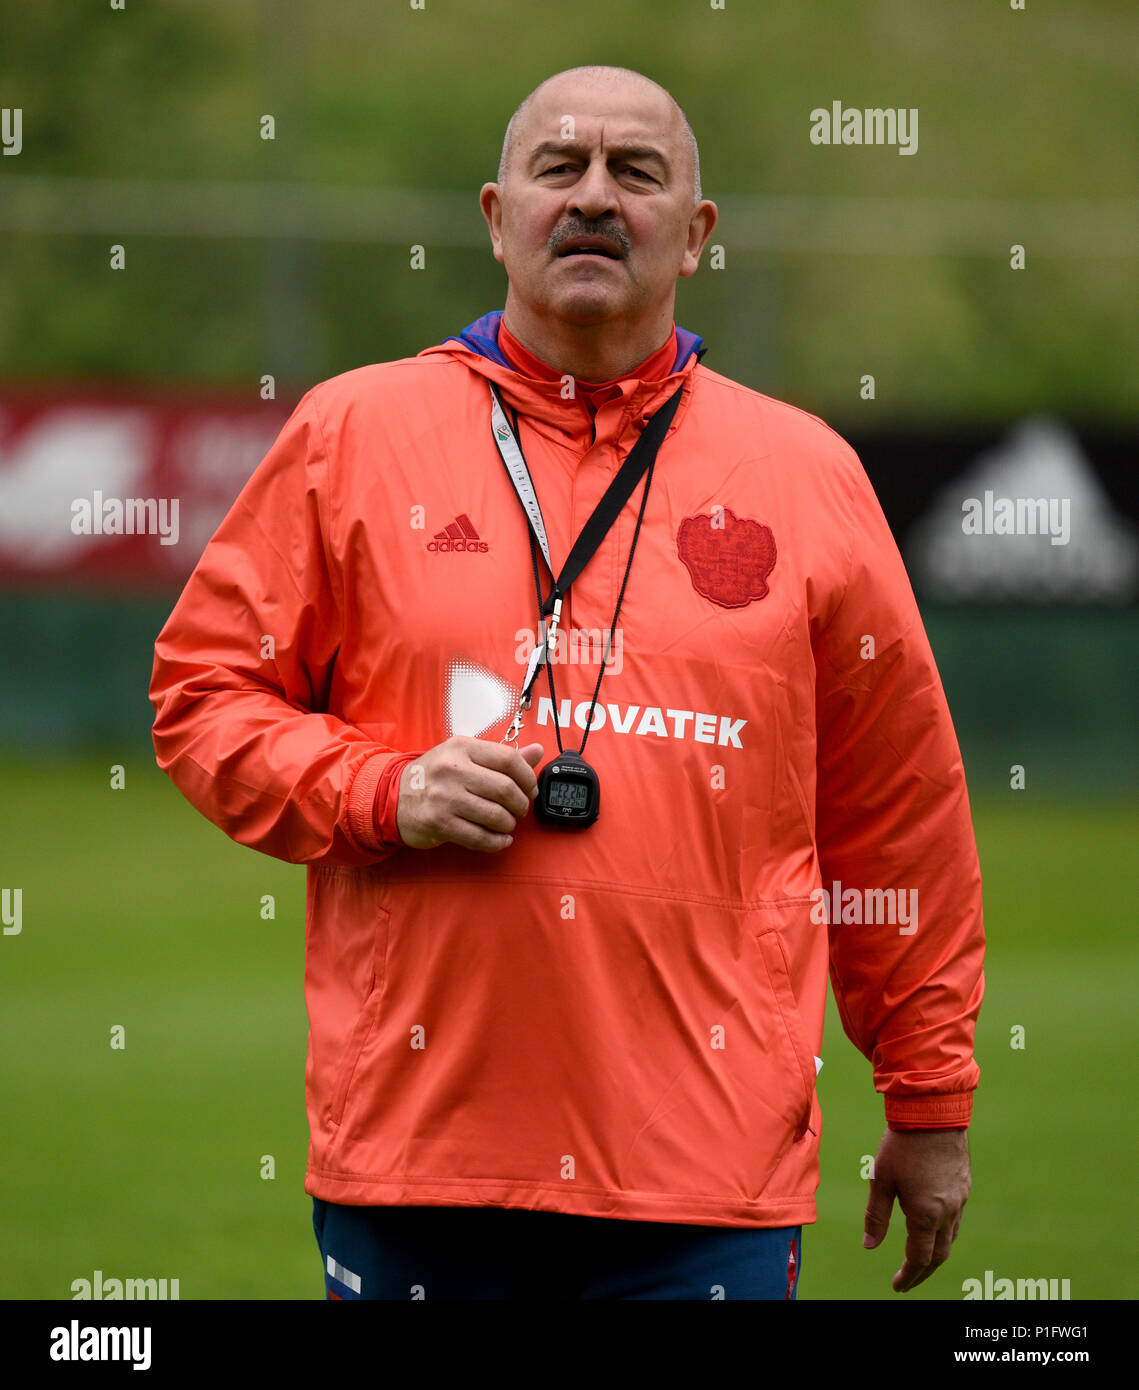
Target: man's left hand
column 928, row 1171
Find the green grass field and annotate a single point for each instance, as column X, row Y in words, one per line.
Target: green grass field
column 146, row 1161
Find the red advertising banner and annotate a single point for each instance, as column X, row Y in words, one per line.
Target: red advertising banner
column 119, row 490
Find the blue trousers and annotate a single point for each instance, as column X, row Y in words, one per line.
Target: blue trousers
column 510, row 1253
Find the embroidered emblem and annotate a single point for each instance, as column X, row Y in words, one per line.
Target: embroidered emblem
column 727, row 557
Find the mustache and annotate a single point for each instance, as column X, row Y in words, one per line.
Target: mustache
column 607, row 230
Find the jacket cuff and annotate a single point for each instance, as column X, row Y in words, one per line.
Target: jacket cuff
column 374, row 778
column 385, row 802
column 930, row 1111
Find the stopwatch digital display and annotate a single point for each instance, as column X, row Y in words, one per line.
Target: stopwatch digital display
column 569, row 795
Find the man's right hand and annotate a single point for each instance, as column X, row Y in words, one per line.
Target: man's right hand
column 469, row 792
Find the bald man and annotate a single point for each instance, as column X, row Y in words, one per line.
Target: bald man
column 566, row 994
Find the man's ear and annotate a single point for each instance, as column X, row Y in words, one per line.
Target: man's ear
column 704, row 219
column 490, row 201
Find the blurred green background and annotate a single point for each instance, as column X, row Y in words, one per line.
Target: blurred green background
column 839, row 260
column 291, row 257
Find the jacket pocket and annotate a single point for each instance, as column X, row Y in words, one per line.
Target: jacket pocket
column 779, row 977
column 367, row 1019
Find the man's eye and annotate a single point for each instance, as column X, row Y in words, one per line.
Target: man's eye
column 633, row 170
column 555, row 169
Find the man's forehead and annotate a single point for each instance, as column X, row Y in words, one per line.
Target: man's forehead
column 624, row 111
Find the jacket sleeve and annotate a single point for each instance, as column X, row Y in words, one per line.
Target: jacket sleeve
column 892, row 812
column 242, row 672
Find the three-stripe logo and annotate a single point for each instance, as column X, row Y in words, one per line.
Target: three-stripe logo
column 458, row 535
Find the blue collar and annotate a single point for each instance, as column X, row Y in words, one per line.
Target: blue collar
column 482, row 337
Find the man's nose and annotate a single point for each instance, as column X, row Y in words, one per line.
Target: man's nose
column 595, row 195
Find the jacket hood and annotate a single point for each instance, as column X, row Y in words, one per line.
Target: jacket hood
column 477, row 347
column 482, row 337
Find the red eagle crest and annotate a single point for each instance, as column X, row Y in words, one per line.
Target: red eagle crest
column 728, row 557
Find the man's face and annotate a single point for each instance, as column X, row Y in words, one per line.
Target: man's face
column 597, row 225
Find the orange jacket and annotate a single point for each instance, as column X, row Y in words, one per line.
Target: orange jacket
column 621, row 1021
